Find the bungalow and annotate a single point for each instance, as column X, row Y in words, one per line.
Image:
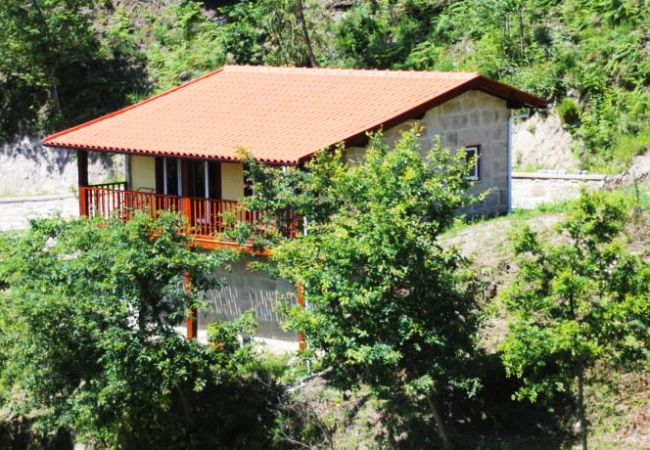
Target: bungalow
column 182, row 146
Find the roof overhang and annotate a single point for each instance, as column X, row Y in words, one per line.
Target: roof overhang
column 461, row 83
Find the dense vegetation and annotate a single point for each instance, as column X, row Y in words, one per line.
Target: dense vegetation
column 577, row 303
column 392, row 310
column 389, row 308
column 88, row 346
column 89, row 350
column 68, row 60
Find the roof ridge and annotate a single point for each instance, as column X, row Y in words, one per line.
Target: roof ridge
column 350, row 71
column 130, row 107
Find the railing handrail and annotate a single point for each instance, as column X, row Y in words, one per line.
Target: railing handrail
column 207, row 216
column 107, row 185
column 176, row 197
column 103, row 187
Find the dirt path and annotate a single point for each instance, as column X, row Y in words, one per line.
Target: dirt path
column 487, row 243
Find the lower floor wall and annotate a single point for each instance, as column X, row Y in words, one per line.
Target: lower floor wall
column 247, row 289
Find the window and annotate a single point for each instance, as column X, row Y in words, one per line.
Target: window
column 171, row 177
column 473, row 159
column 190, row 178
column 205, row 179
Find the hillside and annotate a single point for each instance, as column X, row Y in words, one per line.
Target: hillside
column 65, row 62
column 317, row 415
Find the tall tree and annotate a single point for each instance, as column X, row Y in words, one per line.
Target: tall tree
column 578, row 303
column 300, row 13
column 276, row 32
column 53, row 68
column 387, row 305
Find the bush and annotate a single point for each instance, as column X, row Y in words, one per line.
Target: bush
column 569, row 112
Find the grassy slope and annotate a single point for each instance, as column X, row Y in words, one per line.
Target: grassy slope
column 619, row 410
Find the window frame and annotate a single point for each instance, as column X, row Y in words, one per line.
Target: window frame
column 165, row 177
column 475, row 175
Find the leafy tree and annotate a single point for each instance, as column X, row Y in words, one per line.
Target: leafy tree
column 185, row 45
column 387, row 305
column 574, row 304
column 53, row 68
column 276, row 32
column 87, row 326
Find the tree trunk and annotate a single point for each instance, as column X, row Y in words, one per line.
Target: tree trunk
column 55, row 101
column 521, row 33
column 440, row 425
column 581, row 409
column 185, row 405
column 301, row 17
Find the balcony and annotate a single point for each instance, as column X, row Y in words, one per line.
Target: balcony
column 212, row 223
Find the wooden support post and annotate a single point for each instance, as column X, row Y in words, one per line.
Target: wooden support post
column 302, row 345
column 192, row 318
column 187, row 212
column 82, row 177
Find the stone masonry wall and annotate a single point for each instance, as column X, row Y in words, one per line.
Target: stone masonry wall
column 472, row 118
column 530, row 190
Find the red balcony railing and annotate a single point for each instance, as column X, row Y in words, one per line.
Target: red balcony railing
column 219, row 220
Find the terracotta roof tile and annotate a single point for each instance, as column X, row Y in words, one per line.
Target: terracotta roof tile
column 280, row 115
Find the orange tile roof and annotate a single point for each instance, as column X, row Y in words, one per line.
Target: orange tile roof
column 280, row 115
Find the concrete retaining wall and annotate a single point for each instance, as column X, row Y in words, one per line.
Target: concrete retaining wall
column 15, row 212
column 28, row 168
column 248, row 289
column 530, row 190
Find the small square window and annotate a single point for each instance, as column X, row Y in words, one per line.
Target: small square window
column 473, row 158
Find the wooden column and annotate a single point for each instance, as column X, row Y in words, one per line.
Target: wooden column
column 186, row 183
column 192, row 318
column 82, row 177
column 301, row 302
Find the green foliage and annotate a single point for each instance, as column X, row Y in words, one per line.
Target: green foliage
column 381, row 34
column 269, row 32
column 388, row 306
column 53, row 68
column 569, row 112
column 577, row 303
column 185, row 44
column 597, row 56
column 89, row 346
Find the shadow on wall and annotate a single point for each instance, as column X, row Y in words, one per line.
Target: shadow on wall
column 27, row 167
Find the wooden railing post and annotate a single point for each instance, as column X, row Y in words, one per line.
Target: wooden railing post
column 187, row 212
column 82, row 179
column 302, row 345
column 83, row 202
column 192, row 324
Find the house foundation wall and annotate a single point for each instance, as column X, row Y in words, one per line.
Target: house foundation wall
column 248, row 289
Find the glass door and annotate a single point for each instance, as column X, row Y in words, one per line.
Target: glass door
column 204, row 183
